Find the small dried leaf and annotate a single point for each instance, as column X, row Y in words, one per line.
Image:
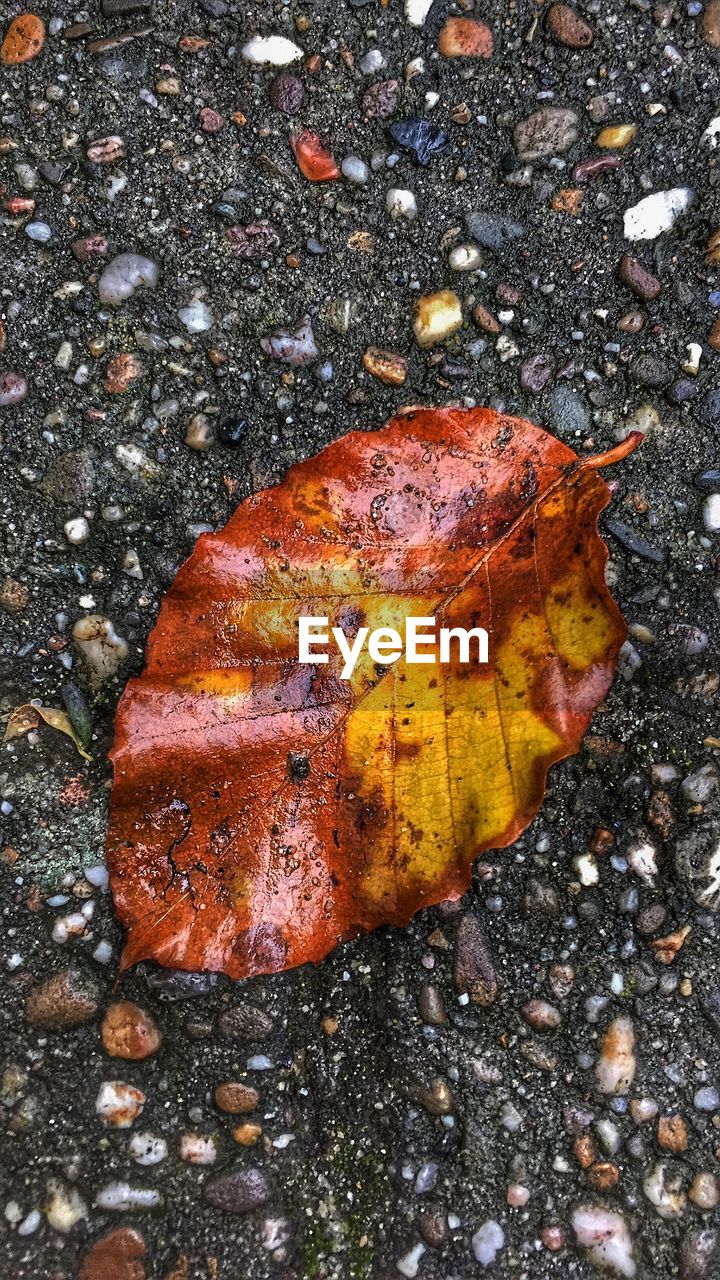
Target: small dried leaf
column 27, row 717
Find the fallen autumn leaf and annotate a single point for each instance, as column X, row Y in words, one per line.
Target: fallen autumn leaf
column 262, row 810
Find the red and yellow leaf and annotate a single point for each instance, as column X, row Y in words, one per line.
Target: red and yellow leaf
column 264, row 810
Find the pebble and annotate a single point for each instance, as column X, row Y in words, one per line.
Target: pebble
column 147, row 1149
column 698, row 1250
column 121, row 372
column 400, row 204
column 313, row 159
column 236, row 1098
column 711, row 513
column 121, row 277
column 568, row 27
column 76, row 530
column 705, row 1190
column 355, row 170
column 473, row 968
column 64, row 1206
column 707, row 1099
column 67, row 999
column 245, row 1022
column 24, row 40
column 536, row 372
column 615, row 1068
column 296, row 349
column 465, row 257
column 240, row 1191
column 465, row 38
column 106, row 150
column 493, row 230
column 101, row 648
column 13, row 389
column 644, row 285
column 438, row 316
column 120, row 1197
column 711, row 23
column 386, row 366
column 541, row 1015
column 487, row 1242
column 616, row 137
column 420, row 137
column 118, row 1256
column 664, row 1191
column 196, row 316
column 606, row 1237
column 119, row 1104
column 409, row 1264
column 547, row 132
column 196, row 1149
column 656, row 214
column 379, row 102
column 275, row 51
column 416, row 11
column 128, row 1032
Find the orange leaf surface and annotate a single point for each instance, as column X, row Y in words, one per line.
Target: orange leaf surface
column 263, row 809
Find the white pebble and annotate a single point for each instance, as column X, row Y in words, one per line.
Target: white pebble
column 197, row 1150
column 64, row 1207
column 401, row 204
column 656, row 213
column 465, row 257
column 641, row 855
column 277, row 51
column 121, row 1197
column 147, row 1148
column 487, row 1242
column 77, row 530
column 118, row 1104
column 259, row 1062
column 711, row 136
column 103, row 952
column 615, row 1068
column 711, row 512
column 30, row 1224
column 606, row 1237
column 196, row 316
column 123, row 276
column 355, row 170
column 416, row 11
column 97, row 876
column 372, row 62
column 692, row 364
column 665, row 1192
column 101, row 647
column 409, row 1263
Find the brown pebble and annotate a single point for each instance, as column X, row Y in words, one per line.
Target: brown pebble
column 711, row 23
column 433, row 1229
column 553, row 1238
column 67, row 999
column 584, row 1151
column 641, row 282
column 594, row 166
column 568, row 27
column 672, row 1133
column 631, row 322
column 24, row 39
column 712, row 248
column 436, row 1098
column 568, row 200
column 705, row 1190
column 603, row 1175
column 235, row 1098
column 465, row 38
column 386, row 366
column 121, row 372
column 247, row 1134
column 541, row 1015
column 129, row 1032
column 115, row 1257
column 714, row 336
column 667, row 948
column 88, row 247
column 431, row 1006
column 474, row 971
column 661, row 814
column 485, row 319
column 14, row 595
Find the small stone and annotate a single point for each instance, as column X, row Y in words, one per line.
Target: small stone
column 101, row 648
column 615, row 1068
column 210, row 120
column 705, row 1190
column 14, row 596
column 698, row 1250
column 64, row 1206
column 541, row 1015
column 120, row 1197
column 438, row 316
column 121, row 277
column 196, row 1149
column 535, row 373
column 386, row 366
column 247, row 1134
column 119, row 1104
column 711, row 513
column 547, row 132
column 232, row 432
column 106, row 150
column 147, row 1149
column 485, row 320
column 355, row 170
column 121, row 372
column 23, row 41
column 707, row 1099
column 128, row 1032
column 656, row 213
column 275, row 51
column 118, row 1256
column 568, row 27
column 313, row 159
column 663, row 1189
column 616, row 136
column 493, row 230
column 13, row 389
column 473, row 968
column 89, row 247
column 296, row 349
column 606, row 1237
column 641, row 282
column 487, row 1242
column 200, row 433
column 68, row 999
column 465, row 257
column 196, row 316
column 287, row 93
column 420, row 137
column 431, row 1006
column 240, row 1191
column 401, row 204
column 380, row 100
column 465, row 38
column 672, row 1133
column 236, row 1098
column 711, row 23
column 245, row 1022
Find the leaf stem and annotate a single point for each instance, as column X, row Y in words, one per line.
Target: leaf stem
column 620, row 451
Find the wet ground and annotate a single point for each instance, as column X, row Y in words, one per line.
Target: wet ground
column 400, row 1130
